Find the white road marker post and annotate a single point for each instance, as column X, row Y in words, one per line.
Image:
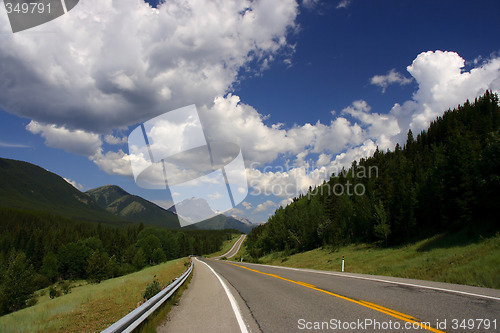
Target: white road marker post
column 342, row 263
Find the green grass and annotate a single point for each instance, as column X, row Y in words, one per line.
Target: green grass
column 90, row 307
column 156, row 319
column 440, row 258
column 226, row 246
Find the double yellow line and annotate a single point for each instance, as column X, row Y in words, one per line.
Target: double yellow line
column 379, row 308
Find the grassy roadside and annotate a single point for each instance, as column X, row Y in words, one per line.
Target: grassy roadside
column 156, row 319
column 438, row 258
column 90, row 307
column 226, row 246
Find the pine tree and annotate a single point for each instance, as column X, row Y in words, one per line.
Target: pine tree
column 139, row 260
column 50, row 266
column 381, row 227
column 97, row 269
column 158, row 256
column 17, row 286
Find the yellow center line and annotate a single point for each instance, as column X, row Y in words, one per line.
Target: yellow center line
column 390, row 310
column 376, row 307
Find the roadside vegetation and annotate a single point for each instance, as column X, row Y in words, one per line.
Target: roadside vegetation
column 86, row 306
column 428, row 209
column 155, row 320
column 90, row 307
column 39, row 250
column 446, row 181
column 444, row 258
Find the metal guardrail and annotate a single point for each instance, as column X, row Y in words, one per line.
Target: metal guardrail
column 138, row 315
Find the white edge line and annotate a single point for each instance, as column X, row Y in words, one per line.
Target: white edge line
column 380, row 280
column 234, row 305
column 237, row 244
column 242, row 238
column 232, row 248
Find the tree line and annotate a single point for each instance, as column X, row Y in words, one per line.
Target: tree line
column 445, row 180
column 38, row 249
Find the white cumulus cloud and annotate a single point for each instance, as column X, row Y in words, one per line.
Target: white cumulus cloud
column 92, row 71
column 344, row 4
column 106, row 65
column 113, row 140
column 114, row 163
column 214, row 196
column 285, row 202
column 392, row 77
column 74, row 184
column 264, row 206
column 247, row 205
column 443, row 84
column 74, row 141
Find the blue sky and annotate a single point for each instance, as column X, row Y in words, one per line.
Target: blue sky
column 296, row 85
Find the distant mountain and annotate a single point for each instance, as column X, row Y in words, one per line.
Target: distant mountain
column 117, row 201
column 106, row 195
column 246, row 223
column 198, row 209
column 225, row 222
column 27, row 186
column 134, row 208
column 193, row 210
column 243, row 220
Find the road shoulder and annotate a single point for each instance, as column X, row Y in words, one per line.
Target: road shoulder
column 204, row 306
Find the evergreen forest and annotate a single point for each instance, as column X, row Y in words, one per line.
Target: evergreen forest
column 39, row 248
column 444, row 180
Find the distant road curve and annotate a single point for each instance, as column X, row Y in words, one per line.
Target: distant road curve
column 234, row 250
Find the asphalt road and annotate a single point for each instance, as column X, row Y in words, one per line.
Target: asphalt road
column 276, row 299
column 234, row 249
column 204, row 306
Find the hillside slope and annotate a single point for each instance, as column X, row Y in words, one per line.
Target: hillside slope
column 225, row 222
column 199, row 208
column 444, row 181
column 27, row 186
column 117, row 201
column 134, row 208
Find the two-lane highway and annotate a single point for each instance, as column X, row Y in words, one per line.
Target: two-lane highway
column 234, row 249
column 278, row 299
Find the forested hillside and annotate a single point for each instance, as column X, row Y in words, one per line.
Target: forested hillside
column 130, row 207
column 445, row 180
column 27, row 186
column 37, row 249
